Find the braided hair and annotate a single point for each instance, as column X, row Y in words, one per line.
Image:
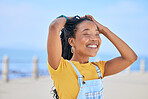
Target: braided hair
column 68, row 32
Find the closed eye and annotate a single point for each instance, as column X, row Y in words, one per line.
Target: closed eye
column 86, row 34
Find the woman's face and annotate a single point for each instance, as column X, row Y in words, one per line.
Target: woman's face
column 87, row 40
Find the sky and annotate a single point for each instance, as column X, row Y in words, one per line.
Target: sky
column 24, row 23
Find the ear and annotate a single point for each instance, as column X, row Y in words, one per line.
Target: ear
column 71, row 41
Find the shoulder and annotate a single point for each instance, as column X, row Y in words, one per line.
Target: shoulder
column 100, row 63
column 63, row 64
column 101, row 66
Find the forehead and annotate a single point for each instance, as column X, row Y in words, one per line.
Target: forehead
column 86, row 24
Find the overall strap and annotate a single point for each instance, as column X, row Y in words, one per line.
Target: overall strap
column 98, row 71
column 78, row 73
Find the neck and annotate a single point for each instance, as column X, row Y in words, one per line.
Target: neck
column 79, row 58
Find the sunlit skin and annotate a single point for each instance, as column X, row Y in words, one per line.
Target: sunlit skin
column 87, row 34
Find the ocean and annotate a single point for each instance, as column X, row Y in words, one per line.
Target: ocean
column 21, row 61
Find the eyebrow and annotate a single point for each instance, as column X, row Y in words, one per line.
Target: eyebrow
column 89, row 29
column 85, row 30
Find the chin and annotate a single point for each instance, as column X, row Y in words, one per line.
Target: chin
column 93, row 55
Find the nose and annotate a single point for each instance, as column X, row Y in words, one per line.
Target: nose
column 94, row 37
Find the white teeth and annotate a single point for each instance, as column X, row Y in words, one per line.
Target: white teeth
column 92, row 46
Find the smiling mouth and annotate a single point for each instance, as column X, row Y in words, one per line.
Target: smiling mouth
column 92, row 46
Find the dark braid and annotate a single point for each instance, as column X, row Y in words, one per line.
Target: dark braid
column 67, row 32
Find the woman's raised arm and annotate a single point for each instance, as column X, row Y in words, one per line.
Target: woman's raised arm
column 128, row 56
column 54, row 46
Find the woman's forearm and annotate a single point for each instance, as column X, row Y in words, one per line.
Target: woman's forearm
column 125, row 51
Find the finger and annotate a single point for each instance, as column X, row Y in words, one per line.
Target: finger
column 88, row 17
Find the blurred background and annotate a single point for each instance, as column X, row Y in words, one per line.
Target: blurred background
column 24, row 31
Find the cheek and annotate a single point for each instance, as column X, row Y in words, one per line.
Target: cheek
column 82, row 40
column 81, row 43
column 100, row 41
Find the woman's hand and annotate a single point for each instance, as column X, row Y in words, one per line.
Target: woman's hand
column 100, row 26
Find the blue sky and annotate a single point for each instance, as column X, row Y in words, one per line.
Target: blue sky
column 24, row 23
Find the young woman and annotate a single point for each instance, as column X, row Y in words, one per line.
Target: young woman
column 73, row 75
